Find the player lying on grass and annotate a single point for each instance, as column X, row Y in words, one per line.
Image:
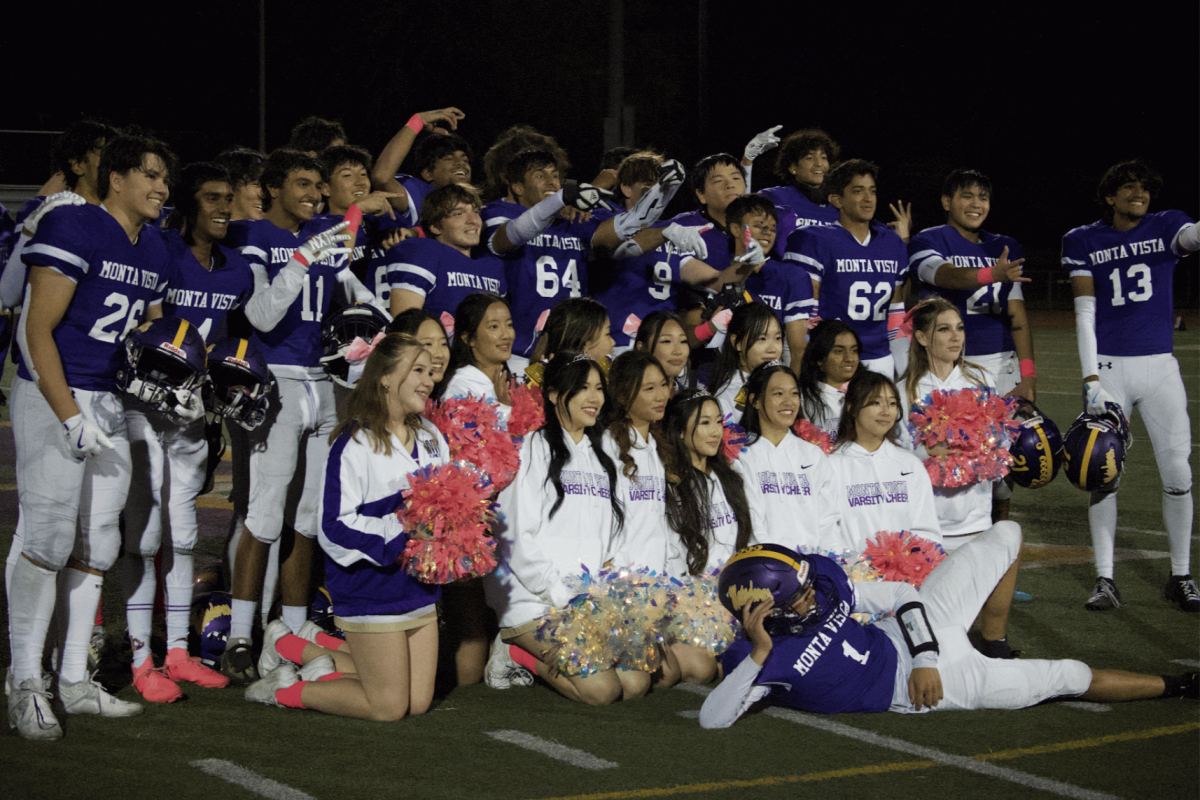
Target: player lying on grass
column 804, row 650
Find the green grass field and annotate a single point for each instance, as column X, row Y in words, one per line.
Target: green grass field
column 475, row 741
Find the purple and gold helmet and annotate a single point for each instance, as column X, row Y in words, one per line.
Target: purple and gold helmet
column 239, row 382
column 1095, row 449
column 160, row 357
column 212, row 617
column 1037, row 448
column 772, row 571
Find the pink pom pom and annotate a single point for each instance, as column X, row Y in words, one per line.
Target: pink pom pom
column 528, row 412
column 450, row 504
column 733, row 439
column 814, row 435
column 975, row 424
column 472, row 428
column 903, row 556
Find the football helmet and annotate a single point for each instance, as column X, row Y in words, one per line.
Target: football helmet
column 770, row 570
column 161, row 357
column 339, row 329
column 1037, row 448
column 1095, row 448
column 212, row 618
column 239, row 382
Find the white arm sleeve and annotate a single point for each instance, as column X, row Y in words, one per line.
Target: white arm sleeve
column 627, row 249
column 725, row 704
column 881, row 597
column 357, row 293
column 534, row 220
column 272, row 299
column 1085, row 333
column 1187, row 240
column 12, row 282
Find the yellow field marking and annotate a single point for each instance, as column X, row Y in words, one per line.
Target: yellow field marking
column 879, row 769
column 1128, row 736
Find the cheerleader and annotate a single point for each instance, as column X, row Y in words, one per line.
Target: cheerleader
column 790, row 485
column 562, row 513
column 577, row 324
column 830, row 360
column 429, row 331
column 661, row 335
column 706, row 500
column 881, row 486
column 483, row 339
column 468, row 623
column 754, row 337
column 389, row 617
column 936, row 363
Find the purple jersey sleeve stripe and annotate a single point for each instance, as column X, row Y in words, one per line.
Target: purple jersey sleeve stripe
column 50, row 251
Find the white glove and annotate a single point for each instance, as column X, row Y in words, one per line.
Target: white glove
column 1094, row 398
column 686, row 239
column 323, row 244
column 582, row 196
column 84, row 438
column 189, row 407
column 56, row 200
column 762, row 142
column 754, row 254
column 671, row 173
column 720, row 320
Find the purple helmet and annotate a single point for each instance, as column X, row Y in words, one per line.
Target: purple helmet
column 1095, row 449
column 239, row 382
column 212, row 617
column 770, row 570
column 160, row 357
column 339, row 329
column 1037, row 448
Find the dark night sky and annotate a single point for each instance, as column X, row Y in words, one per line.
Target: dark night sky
column 1042, row 106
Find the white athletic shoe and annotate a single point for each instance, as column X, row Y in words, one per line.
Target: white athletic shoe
column 502, row 672
column 30, row 713
column 309, row 630
column 264, row 689
column 89, row 697
column 269, row 659
column 318, row 668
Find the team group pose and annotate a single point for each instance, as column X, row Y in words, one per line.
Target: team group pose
column 720, row 400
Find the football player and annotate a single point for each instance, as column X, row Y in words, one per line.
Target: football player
column 298, row 264
column 802, row 162
column 313, row 134
column 1121, row 269
column 857, row 266
column 717, row 181
column 442, row 158
column 804, row 650
column 208, row 281
column 95, row 272
column 244, row 167
column 981, row 274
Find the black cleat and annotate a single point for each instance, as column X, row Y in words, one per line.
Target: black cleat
column 1181, row 590
column 1105, row 597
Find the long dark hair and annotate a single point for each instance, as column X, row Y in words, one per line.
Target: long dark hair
column 863, row 388
column 566, row 375
column 821, row 341
column 756, row 385
column 570, row 325
column 467, row 319
column 747, row 324
column 688, row 505
column 625, row 381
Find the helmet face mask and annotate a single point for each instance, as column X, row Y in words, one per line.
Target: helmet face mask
column 1095, row 448
column 1037, row 448
column 339, row 329
column 161, row 357
column 239, row 383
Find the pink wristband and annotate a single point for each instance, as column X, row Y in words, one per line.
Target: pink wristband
column 704, row 332
column 415, row 123
column 298, row 256
column 420, row 232
column 1027, row 370
column 985, row 275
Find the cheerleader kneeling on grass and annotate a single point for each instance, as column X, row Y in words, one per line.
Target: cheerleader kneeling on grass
column 389, row 617
column 561, row 517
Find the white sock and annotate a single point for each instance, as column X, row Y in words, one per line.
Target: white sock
column 82, row 596
column 138, row 579
column 242, row 618
column 294, row 617
column 1102, row 518
column 29, row 618
column 1177, row 513
column 178, row 579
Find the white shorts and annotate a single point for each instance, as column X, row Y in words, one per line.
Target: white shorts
column 1004, row 366
column 953, row 594
column 69, row 507
column 885, row 366
column 164, row 456
column 1153, row 385
column 287, row 459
